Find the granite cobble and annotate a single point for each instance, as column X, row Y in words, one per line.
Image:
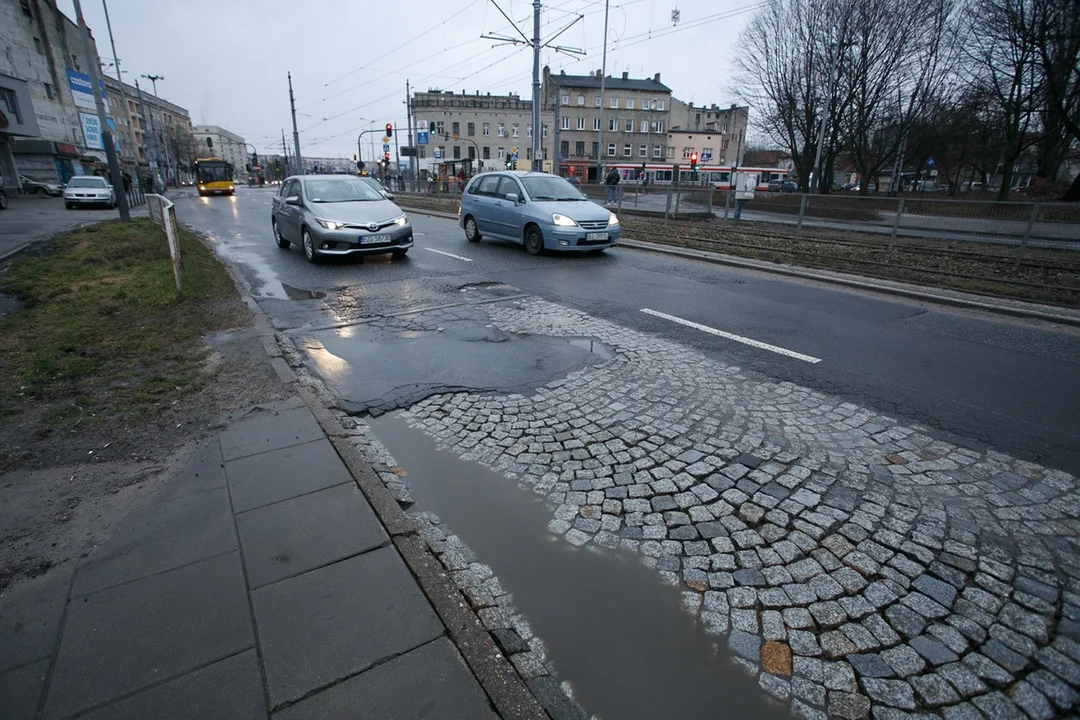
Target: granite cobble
column 948, row 576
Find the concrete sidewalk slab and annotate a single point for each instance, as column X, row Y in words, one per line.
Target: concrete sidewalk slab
column 30, row 617
column 161, row 537
column 126, row 638
column 264, row 430
column 277, row 475
column 331, row 623
column 20, row 689
column 202, row 470
column 431, row 681
column 230, row 689
column 306, row 532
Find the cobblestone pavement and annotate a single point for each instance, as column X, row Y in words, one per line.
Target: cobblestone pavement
column 855, row 564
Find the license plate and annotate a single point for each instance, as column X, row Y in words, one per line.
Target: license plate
column 596, row 236
column 374, row 239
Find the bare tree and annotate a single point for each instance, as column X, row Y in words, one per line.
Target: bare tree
column 1056, row 35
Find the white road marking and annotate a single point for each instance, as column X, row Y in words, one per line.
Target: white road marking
column 449, row 254
column 731, row 336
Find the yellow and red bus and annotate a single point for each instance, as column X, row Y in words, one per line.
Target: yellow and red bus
column 214, row 176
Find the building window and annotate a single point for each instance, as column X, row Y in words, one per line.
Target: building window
column 502, row 153
column 629, row 103
column 595, row 150
column 629, row 125
column 614, row 102
column 565, row 99
column 706, row 154
column 528, row 131
column 659, row 104
column 472, row 152
column 686, row 152
column 579, row 148
column 644, row 126
column 456, row 128
column 48, row 91
column 580, row 99
column 697, row 119
column 611, row 149
column 514, row 132
column 423, row 151
column 643, row 151
column 644, row 104
column 502, row 130
column 656, row 151
column 565, row 122
column 599, row 101
column 528, row 153
column 613, row 124
column 627, row 150
column 439, row 128
column 596, row 123
column 37, row 46
column 658, row 126
column 485, row 129
column 10, row 103
column 471, row 129
column 581, row 123
column 671, row 151
column 487, row 152
column 545, row 130
column 564, row 148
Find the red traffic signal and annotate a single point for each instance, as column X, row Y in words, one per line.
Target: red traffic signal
column 389, row 131
column 386, row 157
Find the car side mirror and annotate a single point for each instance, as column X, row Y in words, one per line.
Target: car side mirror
column 512, row 197
column 292, row 200
column 389, row 196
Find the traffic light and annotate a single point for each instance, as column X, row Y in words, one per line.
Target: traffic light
column 254, row 158
column 693, row 161
column 509, row 165
column 389, row 130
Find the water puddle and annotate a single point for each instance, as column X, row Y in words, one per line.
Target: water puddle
column 295, row 293
column 610, row 628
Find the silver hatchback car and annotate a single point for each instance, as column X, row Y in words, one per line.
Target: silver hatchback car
column 338, row 215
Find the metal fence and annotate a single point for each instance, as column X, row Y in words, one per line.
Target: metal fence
column 163, row 214
column 136, row 196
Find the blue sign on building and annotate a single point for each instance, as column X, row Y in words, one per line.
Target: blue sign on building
column 422, row 138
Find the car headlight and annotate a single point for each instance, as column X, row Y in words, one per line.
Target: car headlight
column 330, row 224
column 613, row 220
column 401, row 221
column 562, row 220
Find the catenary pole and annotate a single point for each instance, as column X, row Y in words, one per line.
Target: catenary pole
column 295, row 134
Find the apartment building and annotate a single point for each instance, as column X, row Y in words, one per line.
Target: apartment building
column 717, row 135
column 485, row 128
column 170, row 122
column 224, row 144
column 628, row 122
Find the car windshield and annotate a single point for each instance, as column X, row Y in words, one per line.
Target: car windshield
column 372, row 182
column 87, row 182
column 550, row 188
column 340, row 190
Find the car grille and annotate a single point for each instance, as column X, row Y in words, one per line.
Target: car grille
column 364, row 226
column 593, row 224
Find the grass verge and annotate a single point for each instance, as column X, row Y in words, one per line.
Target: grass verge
column 100, row 331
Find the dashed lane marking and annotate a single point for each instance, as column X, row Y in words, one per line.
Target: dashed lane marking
column 731, row 336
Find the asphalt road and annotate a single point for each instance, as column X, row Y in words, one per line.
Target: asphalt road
column 1011, row 385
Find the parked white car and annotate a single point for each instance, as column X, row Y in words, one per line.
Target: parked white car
column 89, row 190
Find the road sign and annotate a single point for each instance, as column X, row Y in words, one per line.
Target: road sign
column 385, row 148
column 421, row 125
column 422, row 137
column 513, row 151
column 438, row 154
column 513, row 157
column 385, row 139
column 408, row 151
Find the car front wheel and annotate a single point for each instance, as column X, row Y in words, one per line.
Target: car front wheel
column 472, row 233
column 281, row 241
column 41, row 192
column 309, row 248
column 534, row 241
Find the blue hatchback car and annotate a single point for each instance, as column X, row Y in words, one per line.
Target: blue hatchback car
column 543, row 211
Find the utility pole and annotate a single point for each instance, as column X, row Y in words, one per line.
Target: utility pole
column 99, row 105
column 295, row 134
column 159, row 184
column 556, row 167
column 285, row 151
column 537, row 148
column 412, row 158
column 603, row 100
column 119, row 77
column 397, row 153
column 837, row 47
column 142, row 118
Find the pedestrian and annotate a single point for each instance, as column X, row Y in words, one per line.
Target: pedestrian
column 127, row 181
column 612, row 182
column 644, row 183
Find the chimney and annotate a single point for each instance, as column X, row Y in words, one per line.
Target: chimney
column 625, row 75
column 656, row 77
column 599, row 73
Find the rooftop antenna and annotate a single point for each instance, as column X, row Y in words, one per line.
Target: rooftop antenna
column 675, row 16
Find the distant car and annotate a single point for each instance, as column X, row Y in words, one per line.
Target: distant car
column 40, row 188
column 89, row 190
column 543, row 211
column 378, row 186
column 338, row 215
column 786, row 186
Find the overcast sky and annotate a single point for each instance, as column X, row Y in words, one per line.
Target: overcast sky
column 226, row 60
